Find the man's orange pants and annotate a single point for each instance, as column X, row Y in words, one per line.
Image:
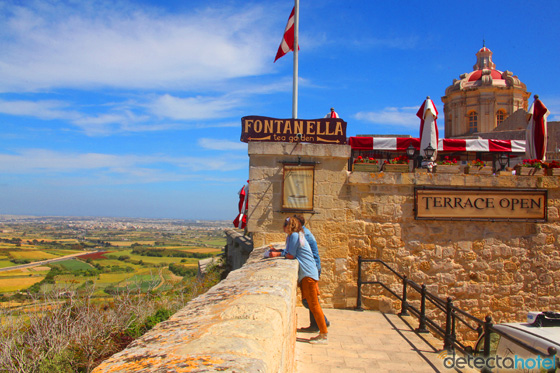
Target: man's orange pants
column 310, row 291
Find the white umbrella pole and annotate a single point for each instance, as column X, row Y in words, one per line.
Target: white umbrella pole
column 296, row 48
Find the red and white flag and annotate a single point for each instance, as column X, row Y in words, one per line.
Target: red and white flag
column 287, row 43
column 241, row 220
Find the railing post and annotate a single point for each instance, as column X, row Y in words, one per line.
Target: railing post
column 487, row 330
column 404, row 304
column 479, row 330
column 422, row 319
column 448, row 339
column 359, row 300
column 552, row 354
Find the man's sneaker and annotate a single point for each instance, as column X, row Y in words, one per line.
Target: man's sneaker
column 309, row 329
column 321, row 339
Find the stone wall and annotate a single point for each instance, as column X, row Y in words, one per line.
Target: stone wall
column 501, row 268
column 238, row 248
column 246, row 323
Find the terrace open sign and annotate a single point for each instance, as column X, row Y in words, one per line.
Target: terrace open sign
column 318, row 131
column 480, row 204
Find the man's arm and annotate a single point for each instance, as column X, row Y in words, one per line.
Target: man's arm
column 276, row 253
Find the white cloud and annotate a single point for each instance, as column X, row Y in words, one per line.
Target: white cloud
column 402, row 117
column 46, row 110
column 217, row 144
column 110, row 44
column 97, row 166
column 191, row 108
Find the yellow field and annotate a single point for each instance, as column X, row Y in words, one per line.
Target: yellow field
column 10, row 284
column 109, row 278
column 129, row 243
column 149, row 259
column 24, row 272
column 50, row 239
column 59, row 253
column 38, row 269
column 204, row 250
column 36, row 255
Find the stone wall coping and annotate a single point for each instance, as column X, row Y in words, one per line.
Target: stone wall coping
column 299, row 149
column 236, row 237
column 246, row 323
column 453, row 180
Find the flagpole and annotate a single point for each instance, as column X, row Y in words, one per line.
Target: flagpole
column 296, row 50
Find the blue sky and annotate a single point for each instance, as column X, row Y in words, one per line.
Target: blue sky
column 132, row 108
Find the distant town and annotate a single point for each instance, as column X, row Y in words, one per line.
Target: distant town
column 115, row 223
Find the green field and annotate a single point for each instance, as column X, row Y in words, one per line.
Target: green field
column 146, row 259
column 74, row 265
column 5, row 263
column 114, row 262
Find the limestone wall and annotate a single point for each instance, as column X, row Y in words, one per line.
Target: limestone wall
column 502, row 268
column 238, row 248
column 246, row 323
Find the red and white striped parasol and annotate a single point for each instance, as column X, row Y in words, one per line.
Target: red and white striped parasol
column 536, row 134
column 428, row 127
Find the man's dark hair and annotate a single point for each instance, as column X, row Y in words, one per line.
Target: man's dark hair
column 301, row 219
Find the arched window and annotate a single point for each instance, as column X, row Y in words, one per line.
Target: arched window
column 473, row 122
column 501, row 115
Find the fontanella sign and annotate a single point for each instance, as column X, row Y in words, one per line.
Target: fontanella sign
column 318, row 131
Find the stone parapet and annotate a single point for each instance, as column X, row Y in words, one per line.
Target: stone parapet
column 246, row 323
column 238, row 248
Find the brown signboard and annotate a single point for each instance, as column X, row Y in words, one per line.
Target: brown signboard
column 319, row 131
column 481, row 204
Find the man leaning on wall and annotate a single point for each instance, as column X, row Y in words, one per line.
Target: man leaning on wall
column 313, row 327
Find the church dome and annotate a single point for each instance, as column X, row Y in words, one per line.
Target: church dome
column 477, row 75
column 485, row 74
column 482, row 99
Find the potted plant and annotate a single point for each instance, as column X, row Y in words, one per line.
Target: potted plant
column 447, row 166
column 397, row 164
column 530, row 167
column 478, row 167
column 553, row 168
column 366, row 164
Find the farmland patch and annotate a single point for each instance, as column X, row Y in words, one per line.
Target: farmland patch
column 31, row 255
column 9, row 284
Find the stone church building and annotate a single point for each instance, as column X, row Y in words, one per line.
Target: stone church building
column 489, row 103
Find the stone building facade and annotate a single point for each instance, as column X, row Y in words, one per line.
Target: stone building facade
column 481, row 100
column 488, row 267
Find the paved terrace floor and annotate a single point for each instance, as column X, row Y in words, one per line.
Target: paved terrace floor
column 367, row 341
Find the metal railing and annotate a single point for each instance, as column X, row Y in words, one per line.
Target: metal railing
column 453, row 316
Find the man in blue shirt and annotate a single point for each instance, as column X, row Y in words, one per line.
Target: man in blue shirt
column 298, row 248
column 313, row 327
